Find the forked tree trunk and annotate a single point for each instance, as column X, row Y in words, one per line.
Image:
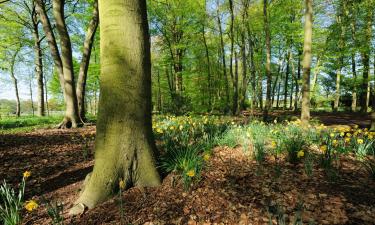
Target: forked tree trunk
column 305, row 111
column 85, row 61
column 124, row 146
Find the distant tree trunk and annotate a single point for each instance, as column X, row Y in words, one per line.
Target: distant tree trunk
column 50, row 36
column 278, row 74
column 72, row 118
column 209, row 86
column 278, row 95
column 354, row 92
column 235, row 86
column 244, row 28
column 31, row 94
column 298, row 78
column 245, row 80
column 366, row 49
column 15, row 83
column 159, row 93
column 354, row 66
column 38, row 61
column 286, row 80
column 268, row 62
column 315, row 78
column 252, row 70
column 63, row 62
column 124, row 147
column 293, row 80
column 85, row 61
column 305, row 111
column 46, row 94
column 340, row 63
column 337, row 92
column 232, row 53
column 223, row 60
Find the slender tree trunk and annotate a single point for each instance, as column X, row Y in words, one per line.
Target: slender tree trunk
column 252, row 71
column 337, row 93
column 305, row 111
column 124, row 146
column 71, row 118
column 50, row 36
column 286, row 80
column 31, row 94
column 231, row 36
column 209, row 86
column 354, row 66
column 278, row 95
column 366, row 49
column 159, row 93
column 278, row 74
column 38, row 61
column 315, row 78
column 223, row 60
column 15, row 83
column 341, row 60
column 245, row 81
column 298, row 78
column 85, row 61
column 268, row 62
column 235, row 86
column 293, row 81
column 46, row 94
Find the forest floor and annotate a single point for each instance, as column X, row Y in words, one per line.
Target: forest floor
column 233, row 189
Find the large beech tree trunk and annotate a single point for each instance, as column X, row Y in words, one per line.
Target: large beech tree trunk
column 85, row 61
column 305, row 111
column 124, row 145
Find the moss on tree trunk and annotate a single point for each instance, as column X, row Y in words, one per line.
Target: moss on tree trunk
column 125, row 146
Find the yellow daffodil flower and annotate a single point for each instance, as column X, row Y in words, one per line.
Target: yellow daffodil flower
column 31, row 205
column 300, row 154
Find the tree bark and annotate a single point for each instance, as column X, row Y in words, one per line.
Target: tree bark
column 124, row 145
column 85, row 61
column 305, row 111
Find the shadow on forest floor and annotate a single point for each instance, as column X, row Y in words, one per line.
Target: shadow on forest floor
column 233, row 188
